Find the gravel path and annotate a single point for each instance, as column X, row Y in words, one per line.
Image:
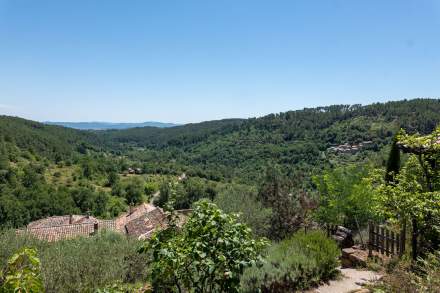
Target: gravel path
column 350, row 281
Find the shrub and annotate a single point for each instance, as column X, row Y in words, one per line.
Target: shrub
column 242, row 199
column 150, row 188
column 81, row 264
column 407, row 277
column 208, row 255
column 119, row 287
column 297, row 263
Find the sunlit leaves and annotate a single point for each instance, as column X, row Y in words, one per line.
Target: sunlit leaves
column 23, row 273
column 209, row 254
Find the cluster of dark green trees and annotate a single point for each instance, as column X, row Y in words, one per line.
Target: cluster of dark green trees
column 297, row 140
column 235, row 151
column 36, row 183
column 25, row 195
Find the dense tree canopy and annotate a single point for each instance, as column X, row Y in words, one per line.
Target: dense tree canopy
column 47, row 170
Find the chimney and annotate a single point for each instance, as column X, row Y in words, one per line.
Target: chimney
column 95, row 228
column 70, row 219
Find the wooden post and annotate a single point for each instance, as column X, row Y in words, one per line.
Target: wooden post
column 387, row 242
column 382, row 242
column 370, row 238
column 415, row 232
column 377, row 238
column 359, row 232
column 403, row 239
column 393, row 239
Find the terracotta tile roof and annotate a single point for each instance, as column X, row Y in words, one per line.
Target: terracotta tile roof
column 61, row 220
column 142, row 219
column 56, row 233
column 107, row 224
column 135, row 213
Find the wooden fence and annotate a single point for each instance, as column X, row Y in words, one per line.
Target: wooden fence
column 385, row 241
column 331, row 229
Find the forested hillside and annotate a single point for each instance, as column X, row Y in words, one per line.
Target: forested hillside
column 23, row 137
column 298, row 140
column 285, row 173
column 48, row 170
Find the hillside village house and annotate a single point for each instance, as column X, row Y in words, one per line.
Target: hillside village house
column 139, row 222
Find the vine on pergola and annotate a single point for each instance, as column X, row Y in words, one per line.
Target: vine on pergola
column 414, row 192
column 419, row 144
column 427, row 150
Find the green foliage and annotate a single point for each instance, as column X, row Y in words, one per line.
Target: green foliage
column 184, row 193
column 294, row 264
column 12, row 212
column 209, row 254
column 115, row 206
column 242, row 199
column 393, row 163
column 164, row 194
column 422, row 276
column 4, row 158
column 125, row 288
column 113, row 179
column 414, row 196
column 410, row 200
column 296, row 140
column 134, row 192
column 427, row 278
column 228, row 150
column 289, row 204
column 23, row 273
column 420, row 143
column 81, row 264
column 36, row 139
column 345, row 196
column 150, row 188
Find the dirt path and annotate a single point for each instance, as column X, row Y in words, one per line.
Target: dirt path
column 154, row 196
column 350, row 281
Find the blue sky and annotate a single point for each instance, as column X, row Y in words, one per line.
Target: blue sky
column 188, row 61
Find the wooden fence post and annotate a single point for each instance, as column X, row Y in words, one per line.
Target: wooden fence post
column 382, row 242
column 370, row 238
column 402, row 239
column 393, row 239
column 387, row 242
column 415, row 232
column 378, row 238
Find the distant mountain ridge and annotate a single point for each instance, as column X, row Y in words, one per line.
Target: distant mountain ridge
column 110, row 125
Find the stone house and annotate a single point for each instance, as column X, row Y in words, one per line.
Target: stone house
column 141, row 221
